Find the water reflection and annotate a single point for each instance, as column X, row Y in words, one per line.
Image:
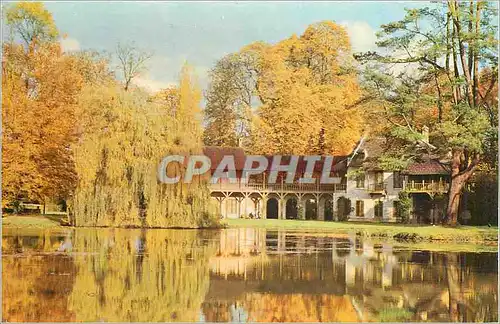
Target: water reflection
column 238, row 275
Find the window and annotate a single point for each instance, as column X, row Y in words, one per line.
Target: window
column 360, row 208
column 360, row 180
column 397, row 180
column 379, row 209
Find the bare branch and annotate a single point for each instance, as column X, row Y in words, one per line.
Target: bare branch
column 132, row 62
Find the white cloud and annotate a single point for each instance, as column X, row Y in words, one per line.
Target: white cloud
column 69, row 44
column 362, row 35
column 151, row 85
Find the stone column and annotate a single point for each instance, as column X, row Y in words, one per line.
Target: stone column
column 281, row 241
column 334, row 208
column 320, row 207
column 221, row 208
column 334, row 250
column 245, row 211
column 225, row 207
column 238, row 200
column 350, row 273
column 302, row 208
column 387, row 275
column 280, row 208
column 263, row 208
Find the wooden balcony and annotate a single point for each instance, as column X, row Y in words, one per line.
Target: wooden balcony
column 376, row 188
column 277, row 187
column 427, row 186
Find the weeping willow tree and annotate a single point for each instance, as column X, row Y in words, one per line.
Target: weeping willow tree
column 140, row 276
column 123, row 137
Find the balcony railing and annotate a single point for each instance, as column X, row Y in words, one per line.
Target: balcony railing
column 376, row 187
column 278, row 187
column 427, row 186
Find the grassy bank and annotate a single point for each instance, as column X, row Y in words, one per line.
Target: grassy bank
column 31, row 221
column 424, row 235
column 399, row 232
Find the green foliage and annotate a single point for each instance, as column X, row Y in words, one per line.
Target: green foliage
column 482, row 199
column 343, row 208
column 394, row 315
column 462, row 234
column 447, row 53
column 393, row 163
column 229, row 100
column 354, row 174
column 406, row 134
column 31, row 22
column 404, row 206
column 468, row 130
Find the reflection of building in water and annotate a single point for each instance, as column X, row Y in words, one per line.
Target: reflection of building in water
column 280, row 276
column 237, row 249
column 256, row 275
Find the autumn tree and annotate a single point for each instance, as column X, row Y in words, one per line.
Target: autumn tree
column 132, row 62
column 229, row 100
column 292, row 97
column 123, row 136
column 31, row 23
column 443, row 50
column 40, row 88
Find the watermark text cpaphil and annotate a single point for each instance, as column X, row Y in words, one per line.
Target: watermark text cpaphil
column 297, row 169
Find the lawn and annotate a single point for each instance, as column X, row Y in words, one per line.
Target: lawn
column 425, row 235
column 31, row 221
column 460, row 234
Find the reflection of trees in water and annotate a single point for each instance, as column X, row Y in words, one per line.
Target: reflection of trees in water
column 300, row 308
column 382, row 284
column 41, row 241
column 294, row 307
column 468, row 300
column 140, row 276
column 36, row 288
column 162, row 275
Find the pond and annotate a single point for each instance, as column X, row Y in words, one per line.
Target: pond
column 237, row 275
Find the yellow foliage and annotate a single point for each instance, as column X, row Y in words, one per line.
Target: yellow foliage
column 124, row 136
column 140, row 276
column 307, row 86
column 301, row 91
column 31, row 21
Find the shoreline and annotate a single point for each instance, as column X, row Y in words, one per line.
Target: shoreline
column 399, row 233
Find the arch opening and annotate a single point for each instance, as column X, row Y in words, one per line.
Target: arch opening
column 292, row 211
column 272, row 208
column 311, row 209
column 328, row 209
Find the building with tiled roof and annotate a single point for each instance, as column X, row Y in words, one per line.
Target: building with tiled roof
column 362, row 192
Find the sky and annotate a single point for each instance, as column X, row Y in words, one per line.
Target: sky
column 203, row 32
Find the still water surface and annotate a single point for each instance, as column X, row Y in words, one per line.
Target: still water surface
column 237, row 275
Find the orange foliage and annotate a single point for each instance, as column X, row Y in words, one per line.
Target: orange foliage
column 40, row 89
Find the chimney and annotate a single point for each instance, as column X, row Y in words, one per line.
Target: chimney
column 425, row 134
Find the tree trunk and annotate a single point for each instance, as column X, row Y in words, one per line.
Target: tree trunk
column 459, row 177
column 455, row 11
column 454, row 200
column 454, row 288
column 476, row 56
